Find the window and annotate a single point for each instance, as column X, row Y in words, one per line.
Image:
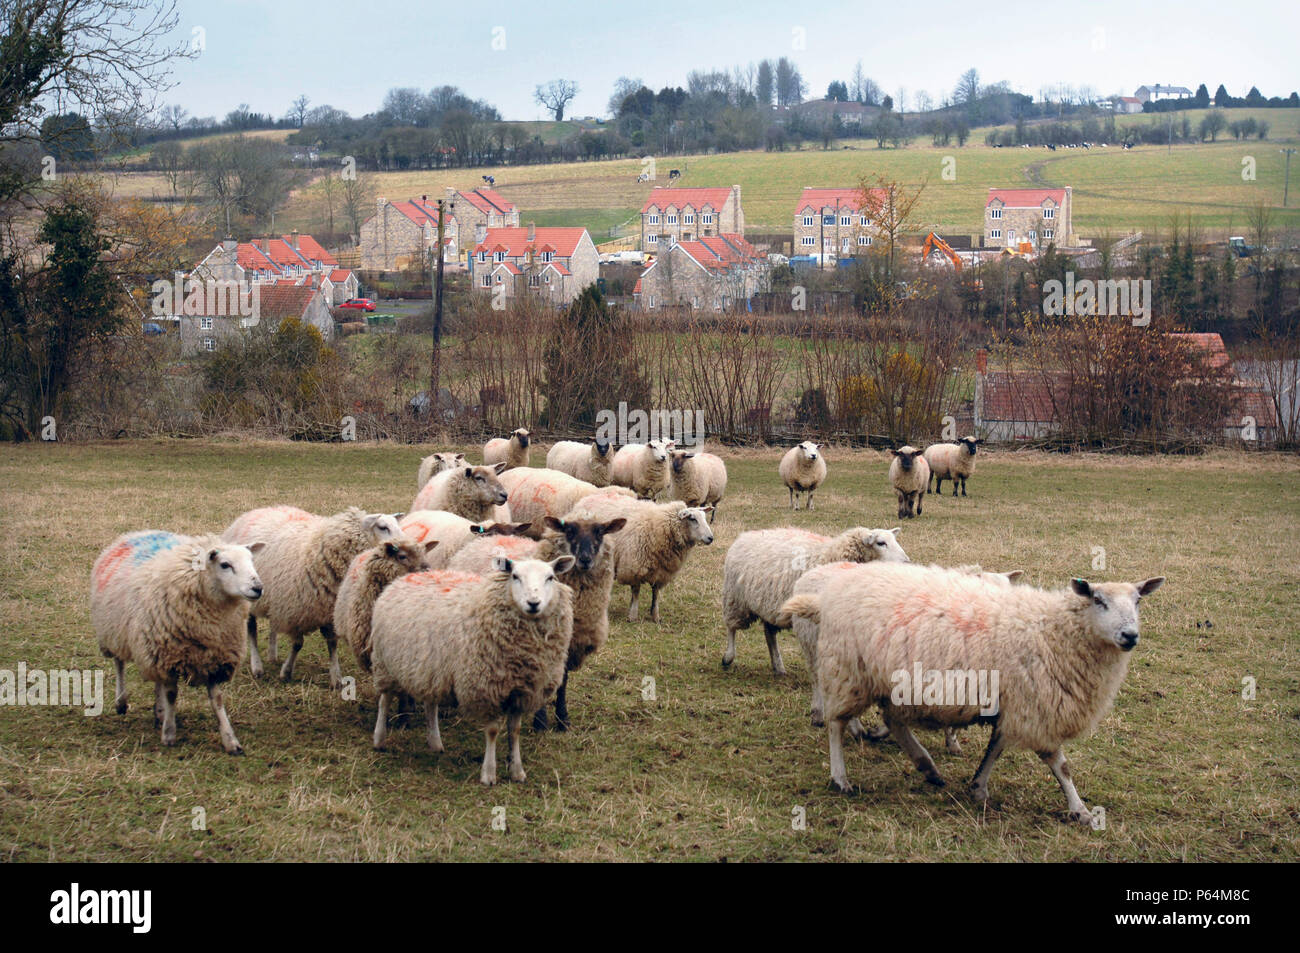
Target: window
column 807, row 240
column 688, row 218
column 846, row 219
column 1049, row 213
column 863, row 221
column 534, row 281
column 209, row 344
column 499, row 279
column 995, row 233
column 654, row 218
column 482, row 256
column 548, row 279
column 1033, row 235
column 487, row 281
column 864, row 240
column 828, row 219
column 707, row 218
column 499, row 256
column 652, row 239
column 205, row 323
column 547, row 255
column 995, row 213
column 1048, row 234
column 808, row 221
column 672, row 218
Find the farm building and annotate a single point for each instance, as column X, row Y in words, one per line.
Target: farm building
column 552, row 263
column 711, row 274
column 1037, row 216
column 681, row 215
column 832, row 222
column 1153, row 94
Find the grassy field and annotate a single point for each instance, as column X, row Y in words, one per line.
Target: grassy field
column 716, row 765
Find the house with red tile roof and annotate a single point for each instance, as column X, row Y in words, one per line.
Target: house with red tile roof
column 404, row 234
column 272, row 302
column 478, row 210
column 551, row 263
column 672, row 215
column 833, row 222
column 1041, row 217
column 290, row 259
column 713, row 273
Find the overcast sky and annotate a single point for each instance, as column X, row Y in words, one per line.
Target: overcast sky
column 348, row 54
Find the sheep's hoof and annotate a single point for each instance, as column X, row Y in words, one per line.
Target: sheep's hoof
column 286, row 674
column 978, row 793
column 779, row 673
column 933, row 777
column 561, row 724
column 486, row 781
column 843, row 787
column 236, row 750
column 518, row 775
column 1082, row 817
column 121, row 707
column 256, row 671
column 878, row 733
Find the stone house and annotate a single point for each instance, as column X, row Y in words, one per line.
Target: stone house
column 552, row 263
column 833, row 222
column 480, row 208
column 291, row 259
column 712, row 274
column 271, row 304
column 1038, row 216
column 402, row 235
column 673, row 215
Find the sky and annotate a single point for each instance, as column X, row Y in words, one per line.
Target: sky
column 348, row 54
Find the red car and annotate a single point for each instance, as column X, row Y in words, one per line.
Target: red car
column 359, row 304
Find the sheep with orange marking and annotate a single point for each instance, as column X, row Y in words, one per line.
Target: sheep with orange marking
column 494, row 645
column 512, row 450
column 175, row 606
column 451, row 532
column 370, row 573
column 1059, row 658
column 534, row 494
column 471, row 492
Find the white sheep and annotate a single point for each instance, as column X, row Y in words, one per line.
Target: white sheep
column 589, row 462
column 803, row 470
column 927, row 644
column 370, row 572
column 951, row 461
column 301, row 567
column 535, row 494
column 436, row 463
column 512, row 450
column 697, row 479
column 653, row 544
column 762, row 566
column 175, row 606
column 471, row 492
column 450, row 531
column 909, row 475
column 643, row 467
column 495, row 646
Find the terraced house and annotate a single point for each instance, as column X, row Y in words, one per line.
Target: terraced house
column 403, row 235
column 293, row 259
column 552, row 263
column 714, row 273
column 833, row 222
column 681, row 215
column 1040, row 217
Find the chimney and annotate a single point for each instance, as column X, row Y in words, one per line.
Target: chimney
column 982, row 361
column 295, row 239
column 230, row 245
column 480, row 233
column 532, row 231
column 451, row 194
column 379, row 205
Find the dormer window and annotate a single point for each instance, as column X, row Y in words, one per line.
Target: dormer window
column 1049, row 213
column 688, row 218
column 499, row 256
column 547, row 256
column 808, row 221
column 995, row 213
column 672, row 218
column 482, row 256
column 654, row 218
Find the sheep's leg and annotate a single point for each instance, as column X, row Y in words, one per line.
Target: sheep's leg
column 381, row 723
column 157, row 704
column 228, row 740
column 654, row 602
column 950, row 741
column 792, row 502
column 917, row 497
column 876, row 733
column 273, row 646
column 286, row 670
column 810, row 499
column 938, row 485
column 332, row 643
column 1056, row 761
column 979, row 785
column 963, row 486
column 562, row 704
column 516, row 760
column 632, row 606
column 809, row 648
column 254, row 659
column 915, row 750
column 489, row 773
column 773, row 649
column 856, row 730
column 433, row 733
column 169, row 714
column 839, row 776
column 539, row 719
column 120, row 700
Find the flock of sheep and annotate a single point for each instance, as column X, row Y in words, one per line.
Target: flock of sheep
column 497, row 584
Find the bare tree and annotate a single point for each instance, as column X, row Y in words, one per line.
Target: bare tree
column 556, row 95
column 890, row 206
column 175, row 116
column 298, row 110
column 967, row 89
column 624, row 87
column 358, row 196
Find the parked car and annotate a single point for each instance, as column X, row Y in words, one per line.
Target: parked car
column 152, row 328
column 359, row 304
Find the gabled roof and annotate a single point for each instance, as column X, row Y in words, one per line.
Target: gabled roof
column 283, row 254
column 1025, row 198
column 251, row 257
column 509, row 266
column 420, row 212
column 815, row 200
column 311, row 249
column 515, row 241
column 698, row 198
column 339, row 275
column 278, row 301
column 1210, row 345
column 489, row 200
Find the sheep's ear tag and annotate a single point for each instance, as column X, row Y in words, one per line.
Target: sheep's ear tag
column 197, row 562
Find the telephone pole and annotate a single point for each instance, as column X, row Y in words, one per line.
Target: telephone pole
column 1286, row 183
column 435, row 359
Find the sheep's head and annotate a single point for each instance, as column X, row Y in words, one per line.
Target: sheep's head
column 410, row 555
column 679, row 459
column 231, row 568
column 500, row 529
column 906, row 457
column 382, row 526
column 696, row 519
column 660, row 449
column 532, row 582
column 810, row 450
column 970, row 443
column 1113, row 608
column 583, row 538
column 487, row 488
column 864, row 545
column 447, row 461
column 521, row 437
column 602, row 446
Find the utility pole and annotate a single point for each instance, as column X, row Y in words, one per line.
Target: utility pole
column 435, row 360
column 1286, row 183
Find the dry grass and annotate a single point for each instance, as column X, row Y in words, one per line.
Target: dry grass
column 713, row 768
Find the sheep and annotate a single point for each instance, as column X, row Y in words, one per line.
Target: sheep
column 471, row 492
column 814, row 581
column 590, row 463
column 495, row 645
column 591, row 580
column 951, row 461
column 1058, row 658
column 654, row 544
column 370, row 571
column 175, row 606
column 643, row 467
column 302, row 565
column 803, row 470
column 535, row 494
column 909, row 474
column 436, row 463
column 763, row 565
column 451, row 532
column 698, row 479
column 512, row 450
